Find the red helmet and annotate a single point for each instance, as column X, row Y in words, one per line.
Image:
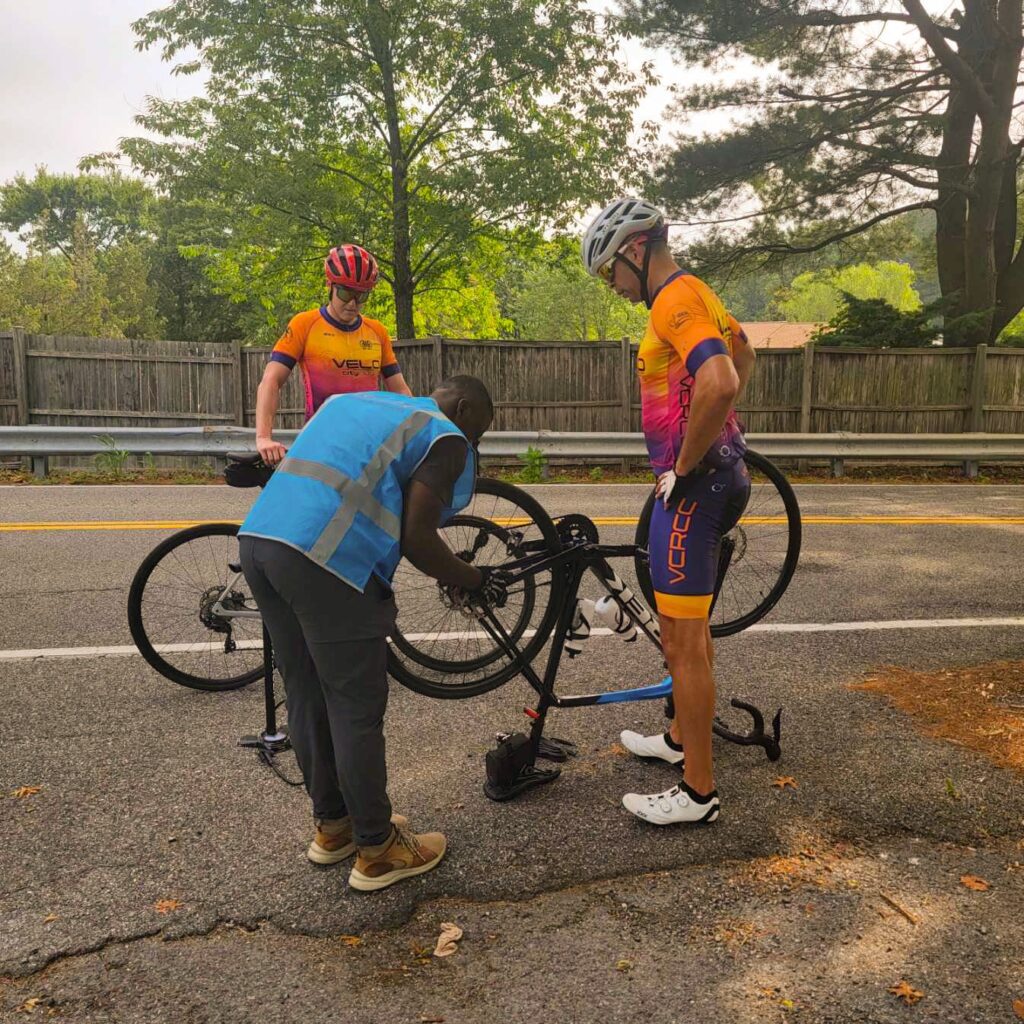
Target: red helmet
column 351, row 266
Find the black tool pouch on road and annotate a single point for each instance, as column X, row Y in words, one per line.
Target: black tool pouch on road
column 507, row 760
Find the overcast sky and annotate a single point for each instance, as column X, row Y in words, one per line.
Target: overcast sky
column 72, row 80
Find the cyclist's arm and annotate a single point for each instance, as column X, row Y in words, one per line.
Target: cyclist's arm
column 390, row 371
column 268, row 395
column 743, row 356
column 715, row 387
column 396, row 383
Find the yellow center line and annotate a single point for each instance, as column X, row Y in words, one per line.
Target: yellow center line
column 812, row 520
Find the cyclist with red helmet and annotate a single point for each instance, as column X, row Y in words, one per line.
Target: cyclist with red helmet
column 339, row 350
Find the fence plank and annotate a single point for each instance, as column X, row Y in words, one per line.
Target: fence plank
column 978, row 389
column 20, row 374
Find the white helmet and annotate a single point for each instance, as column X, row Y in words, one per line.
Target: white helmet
column 611, row 228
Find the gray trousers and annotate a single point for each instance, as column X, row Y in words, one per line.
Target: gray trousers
column 330, row 645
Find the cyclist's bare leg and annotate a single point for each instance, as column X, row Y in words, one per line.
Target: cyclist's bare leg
column 687, row 647
column 673, row 727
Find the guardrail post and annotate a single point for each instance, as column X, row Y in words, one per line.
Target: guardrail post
column 40, row 466
column 626, row 383
column 838, row 466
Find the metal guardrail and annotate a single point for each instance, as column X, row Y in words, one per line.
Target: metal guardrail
column 41, row 442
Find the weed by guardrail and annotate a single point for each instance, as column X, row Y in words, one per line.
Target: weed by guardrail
column 113, row 460
column 535, row 466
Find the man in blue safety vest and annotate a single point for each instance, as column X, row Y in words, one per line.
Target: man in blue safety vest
column 369, row 479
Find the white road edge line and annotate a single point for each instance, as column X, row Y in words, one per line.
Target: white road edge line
column 127, row 650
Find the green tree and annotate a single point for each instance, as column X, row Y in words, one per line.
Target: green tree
column 412, row 127
column 858, row 112
column 875, row 323
column 816, row 297
column 564, row 303
column 47, row 209
column 136, row 238
column 54, row 294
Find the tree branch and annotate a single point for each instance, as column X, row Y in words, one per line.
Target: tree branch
column 794, row 250
column 950, row 59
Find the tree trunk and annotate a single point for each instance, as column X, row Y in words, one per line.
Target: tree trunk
column 951, row 203
column 998, row 71
column 402, row 278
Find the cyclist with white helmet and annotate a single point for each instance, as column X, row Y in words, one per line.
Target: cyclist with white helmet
column 340, row 351
column 692, row 363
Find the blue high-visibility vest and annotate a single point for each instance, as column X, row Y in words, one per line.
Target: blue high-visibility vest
column 337, row 496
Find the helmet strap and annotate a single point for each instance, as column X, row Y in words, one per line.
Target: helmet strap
column 641, row 272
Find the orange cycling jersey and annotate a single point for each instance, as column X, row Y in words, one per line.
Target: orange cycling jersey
column 687, row 326
column 336, row 358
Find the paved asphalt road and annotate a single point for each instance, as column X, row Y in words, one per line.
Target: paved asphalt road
column 572, row 909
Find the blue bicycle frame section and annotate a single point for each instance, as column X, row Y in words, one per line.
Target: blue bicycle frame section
column 653, row 692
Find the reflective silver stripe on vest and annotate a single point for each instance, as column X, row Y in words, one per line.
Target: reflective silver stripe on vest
column 348, row 490
column 357, row 495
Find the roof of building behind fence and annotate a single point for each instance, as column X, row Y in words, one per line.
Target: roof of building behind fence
column 778, row 333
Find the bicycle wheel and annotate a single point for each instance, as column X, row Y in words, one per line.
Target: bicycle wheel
column 437, row 650
column 172, row 611
column 766, row 550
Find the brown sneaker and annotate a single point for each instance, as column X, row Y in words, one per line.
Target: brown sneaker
column 333, row 840
column 402, row 856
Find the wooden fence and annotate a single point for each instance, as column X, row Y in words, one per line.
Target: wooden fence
column 536, row 385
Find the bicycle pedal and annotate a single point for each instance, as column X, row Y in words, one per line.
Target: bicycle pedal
column 556, row 749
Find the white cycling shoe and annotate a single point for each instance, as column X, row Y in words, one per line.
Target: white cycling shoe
column 679, row 805
column 650, row 746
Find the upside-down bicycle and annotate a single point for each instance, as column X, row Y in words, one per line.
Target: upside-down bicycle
column 194, row 620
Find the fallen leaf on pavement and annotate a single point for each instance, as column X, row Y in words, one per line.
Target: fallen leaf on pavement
column 50, row 918
column 351, row 940
column 623, row 965
column 166, row 906
column 23, row 791
column 975, row 883
column 786, row 780
column 431, row 1020
column 29, row 1005
column 787, row 1004
column 1018, row 1008
column 905, row 991
column 448, row 939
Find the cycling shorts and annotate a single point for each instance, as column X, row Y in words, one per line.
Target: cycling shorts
column 685, row 540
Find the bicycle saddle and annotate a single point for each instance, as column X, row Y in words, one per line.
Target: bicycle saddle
column 244, row 458
column 246, row 469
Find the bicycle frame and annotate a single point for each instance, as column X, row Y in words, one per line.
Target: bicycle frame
column 579, row 557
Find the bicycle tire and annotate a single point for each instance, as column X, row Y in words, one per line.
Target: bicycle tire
column 411, row 673
column 136, row 623
column 757, row 463
column 424, row 657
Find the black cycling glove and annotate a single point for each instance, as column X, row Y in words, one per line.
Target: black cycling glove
column 493, row 589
